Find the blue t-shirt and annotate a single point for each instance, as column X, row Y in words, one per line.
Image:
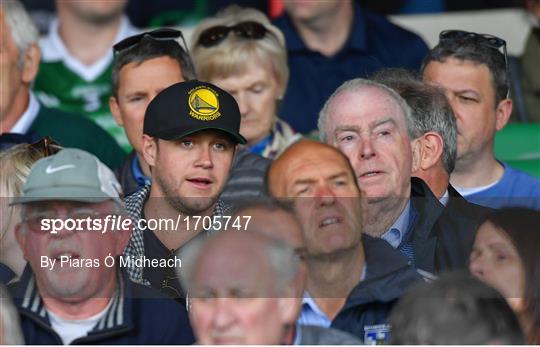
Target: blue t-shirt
column 373, row 43
column 515, row 189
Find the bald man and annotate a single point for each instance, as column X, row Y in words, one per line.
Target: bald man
column 276, row 219
column 353, row 279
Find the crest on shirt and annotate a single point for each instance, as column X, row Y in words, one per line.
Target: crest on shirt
column 377, row 334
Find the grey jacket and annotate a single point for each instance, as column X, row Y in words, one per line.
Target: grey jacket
column 314, row 335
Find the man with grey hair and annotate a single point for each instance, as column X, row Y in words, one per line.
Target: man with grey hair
column 436, row 125
column 241, row 289
column 373, row 126
column 20, row 112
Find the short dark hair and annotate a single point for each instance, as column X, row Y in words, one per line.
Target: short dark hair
column 521, row 226
column 430, row 108
column 471, row 48
column 147, row 49
column 456, row 309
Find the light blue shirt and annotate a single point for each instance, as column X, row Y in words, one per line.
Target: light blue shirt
column 311, row 314
column 395, row 235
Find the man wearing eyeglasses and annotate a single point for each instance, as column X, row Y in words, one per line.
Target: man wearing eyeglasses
column 473, row 72
column 144, row 65
column 73, row 289
column 20, row 110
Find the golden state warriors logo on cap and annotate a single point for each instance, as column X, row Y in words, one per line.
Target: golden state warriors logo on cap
column 203, row 103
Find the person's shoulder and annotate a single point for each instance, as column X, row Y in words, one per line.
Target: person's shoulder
column 246, row 160
column 522, row 176
column 377, row 23
column 159, row 319
column 316, row 335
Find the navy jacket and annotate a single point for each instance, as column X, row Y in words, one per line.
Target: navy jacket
column 389, row 274
column 442, row 237
column 138, row 315
column 373, row 43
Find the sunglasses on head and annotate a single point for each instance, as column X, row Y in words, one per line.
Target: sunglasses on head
column 164, row 34
column 46, row 146
column 248, row 30
column 487, row 40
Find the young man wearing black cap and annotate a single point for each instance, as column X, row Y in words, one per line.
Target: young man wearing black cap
column 190, row 133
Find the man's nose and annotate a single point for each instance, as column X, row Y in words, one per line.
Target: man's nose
column 204, row 158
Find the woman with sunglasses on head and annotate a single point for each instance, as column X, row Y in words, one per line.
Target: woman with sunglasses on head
column 15, row 165
column 506, row 255
column 240, row 51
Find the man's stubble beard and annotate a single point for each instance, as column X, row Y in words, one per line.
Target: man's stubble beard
column 190, row 206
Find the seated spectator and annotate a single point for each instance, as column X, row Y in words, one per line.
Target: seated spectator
column 10, row 329
column 472, row 71
column 146, row 64
column 454, row 310
column 330, row 42
column 353, row 279
column 277, row 220
column 506, row 256
column 373, row 126
column 20, row 112
column 15, row 165
column 190, row 152
column 80, row 296
column 242, row 289
column 77, row 56
column 240, row 51
column 437, row 132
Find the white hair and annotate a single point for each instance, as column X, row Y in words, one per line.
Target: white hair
column 357, row 85
column 23, row 30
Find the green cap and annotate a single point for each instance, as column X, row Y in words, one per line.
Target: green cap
column 71, row 175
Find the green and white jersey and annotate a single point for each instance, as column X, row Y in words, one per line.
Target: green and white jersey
column 64, row 82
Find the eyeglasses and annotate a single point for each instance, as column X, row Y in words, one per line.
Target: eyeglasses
column 248, row 30
column 163, row 34
column 46, row 146
column 487, row 40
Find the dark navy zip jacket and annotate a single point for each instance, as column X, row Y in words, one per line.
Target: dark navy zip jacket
column 137, row 315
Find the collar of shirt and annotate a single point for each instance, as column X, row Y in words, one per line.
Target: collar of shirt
column 395, row 235
column 311, row 314
column 54, row 49
column 297, row 335
column 138, row 174
column 444, row 199
column 357, row 36
column 28, row 117
column 260, row 146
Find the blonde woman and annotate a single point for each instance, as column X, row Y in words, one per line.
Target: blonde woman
column 15, row 165
column 240, row 51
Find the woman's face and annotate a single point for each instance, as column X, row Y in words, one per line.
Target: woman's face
column 495, row 261
column 256, row 92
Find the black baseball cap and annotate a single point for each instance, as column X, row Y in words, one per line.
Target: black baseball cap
column 189, row 107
